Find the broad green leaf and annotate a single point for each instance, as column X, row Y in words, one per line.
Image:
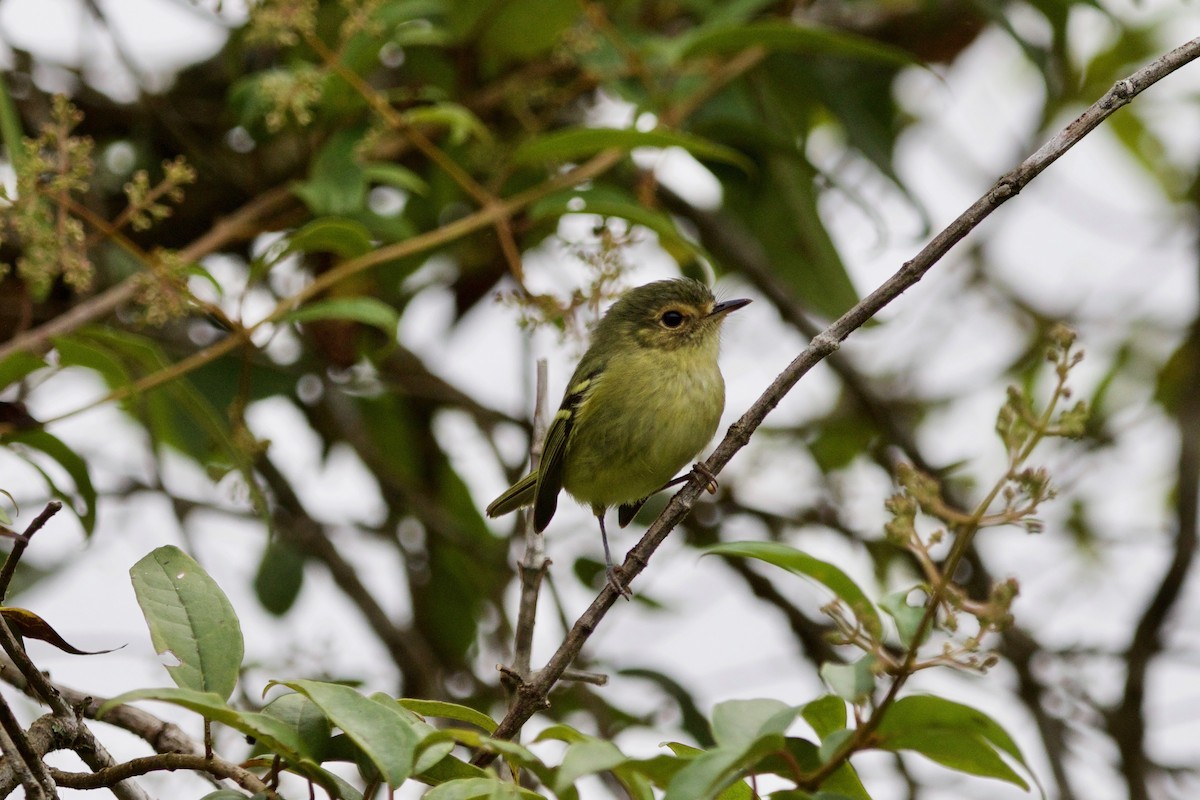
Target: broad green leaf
column 738, row 722
column 487, row 788
column 280, row 576
column 586, row 758
column 74, row 466
column 366, row 310
column 801, row 563
column 713, row 772
column 831, row 744
column 952, row 734
column 907, row 618
column 826, row 714
column 444, row 710
column 524, row 29
column 448, row 768
column 576, row 143
column 336, row 184
column 191, row 619
column 379, row 729
column 17, row 366
column 853, row 682
column 844, row 436
column 309, row 724
column 781, row 36
column 344, row 237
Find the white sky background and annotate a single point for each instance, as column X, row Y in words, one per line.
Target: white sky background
column 1087, row 237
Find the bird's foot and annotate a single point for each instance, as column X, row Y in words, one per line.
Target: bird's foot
column 701, row 469
column 617, row 582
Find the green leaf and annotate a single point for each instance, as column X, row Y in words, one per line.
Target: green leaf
column 443, row 710
column 746, row 732
column 853, row 682
column 396, row 176
column 366, row 310
column 275, row 735
column 908, row 618
column 190, row 618
column 576, row 143
column 952, row 734
column 176, row 414
column 472, row 788
column 586, row 758
column 713, row 772
column 826, row 715
column 379, row 729
column 780, row 36
column 461, row 123
column 336, row 183
column 17, row 366
column 738, row 722
column 309, row 724
column 344, row 237
column 801, row 563
column 74, row 466
column 280, row 576
column 519, row 30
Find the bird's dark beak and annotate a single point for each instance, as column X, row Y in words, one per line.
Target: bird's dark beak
column 728, row 305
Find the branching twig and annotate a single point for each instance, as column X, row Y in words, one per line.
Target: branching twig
column 110, row 776
column 822, row 345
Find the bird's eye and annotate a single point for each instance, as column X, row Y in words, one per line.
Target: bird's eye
column 671, row 319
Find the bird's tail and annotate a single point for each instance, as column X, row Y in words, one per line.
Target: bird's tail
column 514, row 497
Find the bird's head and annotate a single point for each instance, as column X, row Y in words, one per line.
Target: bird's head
column 667, row 315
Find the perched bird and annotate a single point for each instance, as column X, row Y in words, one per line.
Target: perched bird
column 646, row 397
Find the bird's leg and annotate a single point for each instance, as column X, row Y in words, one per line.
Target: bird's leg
column 611, row 572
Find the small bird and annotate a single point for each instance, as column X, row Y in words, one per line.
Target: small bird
column 646, row 397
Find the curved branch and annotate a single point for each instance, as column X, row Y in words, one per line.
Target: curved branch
column 1127, row 723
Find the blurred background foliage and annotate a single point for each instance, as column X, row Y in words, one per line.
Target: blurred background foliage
column 347, row 162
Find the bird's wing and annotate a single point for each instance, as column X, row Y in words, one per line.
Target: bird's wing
column 554, row 452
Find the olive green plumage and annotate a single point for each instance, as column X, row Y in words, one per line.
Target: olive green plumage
column 645, row 398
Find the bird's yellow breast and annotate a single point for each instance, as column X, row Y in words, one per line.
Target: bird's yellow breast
column 650, row 413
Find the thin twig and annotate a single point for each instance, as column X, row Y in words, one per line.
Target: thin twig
column 822, row 345
column 24, row 760
column 533, row 562
column 22, row 541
